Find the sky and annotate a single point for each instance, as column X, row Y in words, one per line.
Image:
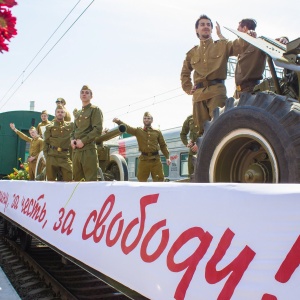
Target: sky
column 129, row 52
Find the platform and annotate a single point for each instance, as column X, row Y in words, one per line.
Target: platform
column 7, row 291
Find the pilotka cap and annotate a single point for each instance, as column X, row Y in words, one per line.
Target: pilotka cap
column 147, row 114
column 86, row 87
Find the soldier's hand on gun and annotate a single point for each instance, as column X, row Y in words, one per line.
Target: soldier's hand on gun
column 105, row 130
column 283, row 40
column 252, row 33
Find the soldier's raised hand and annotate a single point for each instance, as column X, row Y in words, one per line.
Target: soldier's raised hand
column 12, row 126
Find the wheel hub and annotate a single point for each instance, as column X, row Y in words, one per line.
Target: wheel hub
column 255, row 174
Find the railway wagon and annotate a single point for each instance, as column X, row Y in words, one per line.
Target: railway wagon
column 178, row 170
column 11, row 146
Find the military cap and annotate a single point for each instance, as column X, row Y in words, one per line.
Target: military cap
column 147, row 114
column 32, row 128
column 59, row 107
column 86, row 87
column 44, row 112
column 62, row 100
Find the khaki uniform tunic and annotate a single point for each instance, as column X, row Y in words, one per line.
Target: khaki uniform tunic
column 188, row 128
column 88, row 125
column 42, row 127
column 150, row 141
column 208, row 61
column 36, row 146
column 57, row 150
column 249, row 69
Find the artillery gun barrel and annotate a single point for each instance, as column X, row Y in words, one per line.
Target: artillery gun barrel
column 110, row 134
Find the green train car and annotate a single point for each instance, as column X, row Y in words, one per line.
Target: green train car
column 11, row 146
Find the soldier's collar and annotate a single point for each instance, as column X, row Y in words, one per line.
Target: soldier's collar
column 206, row 42
column 87, row 106
column 146, row 128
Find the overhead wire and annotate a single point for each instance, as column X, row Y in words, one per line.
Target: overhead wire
column 48, row 51
column 134, row 103
column 140, row 108
column 22, row 74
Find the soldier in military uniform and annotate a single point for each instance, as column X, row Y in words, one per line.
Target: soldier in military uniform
column 251, row 62
column 188, row 128
column 87, row 126
column 42, row 125
column 62, row 102
column 57, row 147
column 208, row 61
column 36, row 146
column 150, row 141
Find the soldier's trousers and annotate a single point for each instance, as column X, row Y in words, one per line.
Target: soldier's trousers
column 85, row 165
column 31, row 169
column 55, row 164
column 190, row 165
column 150, row 166
column 203, row 110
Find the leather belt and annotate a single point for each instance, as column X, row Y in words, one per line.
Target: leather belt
column 58, row 149
column 246, row 84
column 150, row 153
column 207, row 83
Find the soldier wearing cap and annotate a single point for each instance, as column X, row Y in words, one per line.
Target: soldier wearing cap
column 188, row 129
column 42, row 125
column 36, row 146
column 57, row 147
column 87, row 126
column 62, row 102
column 208, row 63
column 150, row 141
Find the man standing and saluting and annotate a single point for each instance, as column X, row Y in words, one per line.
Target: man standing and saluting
column 150, row 141
column 36, row 146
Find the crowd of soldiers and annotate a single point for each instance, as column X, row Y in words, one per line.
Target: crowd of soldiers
column 70, row 149
column 60, row 139
column 206, row 62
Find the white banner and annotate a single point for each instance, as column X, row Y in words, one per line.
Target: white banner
column 171, row 240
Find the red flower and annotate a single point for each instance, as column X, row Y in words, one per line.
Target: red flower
column 3, row 46
column 8, row 3
column 7, row 24
column 7, row 27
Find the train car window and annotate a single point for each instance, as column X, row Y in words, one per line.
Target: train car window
column 165, row 166
column 136, row 166
column 184, row 164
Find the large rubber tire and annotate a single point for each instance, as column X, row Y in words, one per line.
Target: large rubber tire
column 40, row 168
column 253, row 140
column 117, row 168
